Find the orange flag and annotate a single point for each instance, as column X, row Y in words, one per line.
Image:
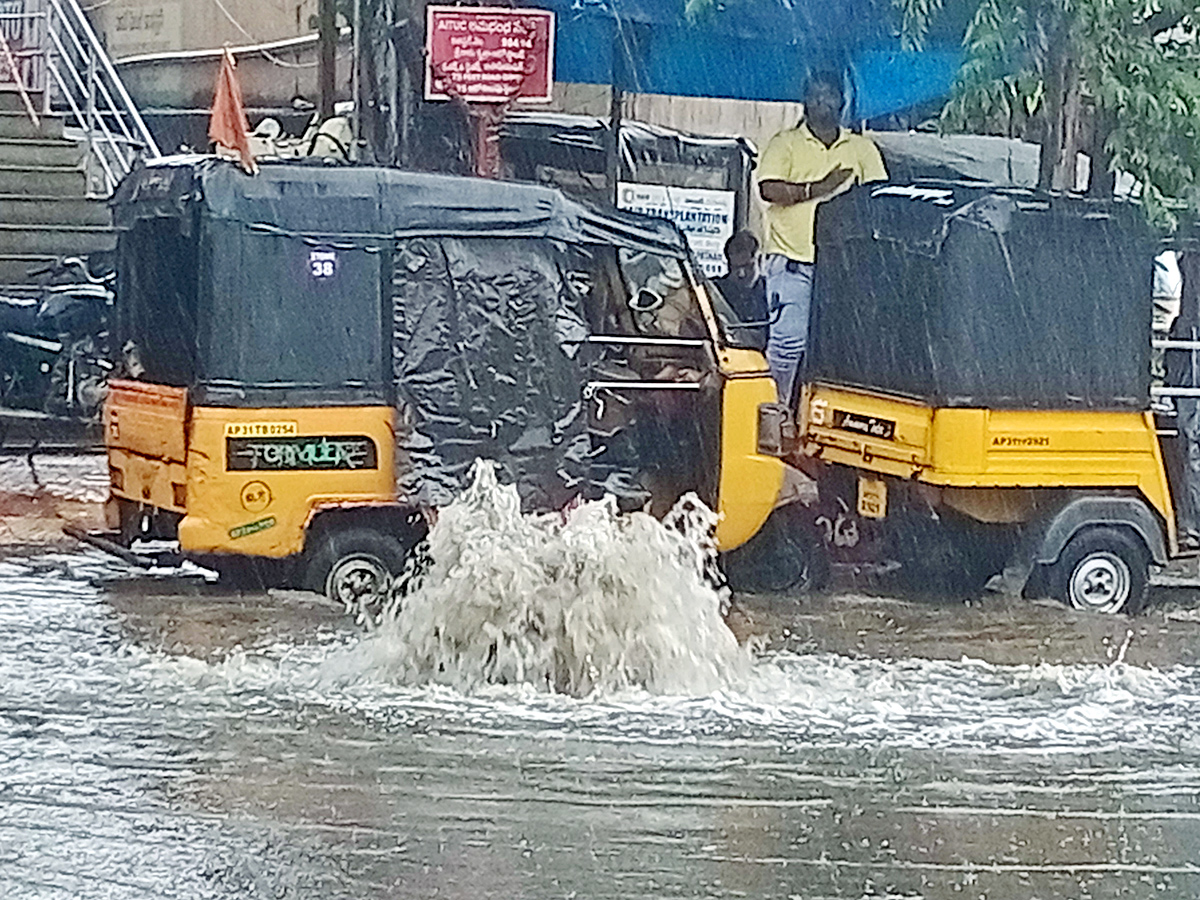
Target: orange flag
column 228, row 126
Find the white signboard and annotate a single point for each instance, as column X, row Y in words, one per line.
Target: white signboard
column 704, row 216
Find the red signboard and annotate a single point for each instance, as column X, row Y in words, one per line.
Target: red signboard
column 485, row 54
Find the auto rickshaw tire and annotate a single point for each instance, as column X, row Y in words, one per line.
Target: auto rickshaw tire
column 787, row 555
column 1102, row 569
column 355, row 566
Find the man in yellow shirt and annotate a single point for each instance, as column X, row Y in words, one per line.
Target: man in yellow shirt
column 800, row 168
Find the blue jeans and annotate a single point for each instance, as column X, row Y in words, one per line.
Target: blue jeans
column 789, row 296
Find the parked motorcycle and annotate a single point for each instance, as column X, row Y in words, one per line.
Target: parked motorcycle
column 56, row 356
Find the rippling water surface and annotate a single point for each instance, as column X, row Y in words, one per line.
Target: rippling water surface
column 143, row 753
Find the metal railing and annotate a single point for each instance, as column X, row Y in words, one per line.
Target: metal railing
column 50, row 54
column 1192, row 348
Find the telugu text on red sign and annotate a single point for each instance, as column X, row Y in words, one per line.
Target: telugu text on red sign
column 489, row 54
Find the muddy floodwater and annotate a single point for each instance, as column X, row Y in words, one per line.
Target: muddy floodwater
column 162, row 738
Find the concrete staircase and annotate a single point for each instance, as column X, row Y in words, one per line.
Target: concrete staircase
column 46, row 208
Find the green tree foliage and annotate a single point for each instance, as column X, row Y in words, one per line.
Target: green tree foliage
column 1119, row 79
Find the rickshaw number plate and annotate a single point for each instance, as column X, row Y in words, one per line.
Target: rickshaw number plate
column 872, row 498
column 871, row 426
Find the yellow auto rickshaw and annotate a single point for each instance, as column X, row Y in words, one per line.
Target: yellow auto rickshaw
column 977, row 390
column 313, row 356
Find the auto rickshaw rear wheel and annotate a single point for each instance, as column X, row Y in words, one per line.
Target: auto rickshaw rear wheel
column 1102, row 569
column 355, row 566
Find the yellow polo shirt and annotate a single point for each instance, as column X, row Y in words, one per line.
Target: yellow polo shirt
column 797, row 156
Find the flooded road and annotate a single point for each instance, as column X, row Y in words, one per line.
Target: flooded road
column 166, row 739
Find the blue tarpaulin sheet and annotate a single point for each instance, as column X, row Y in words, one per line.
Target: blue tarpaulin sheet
column 759, row 50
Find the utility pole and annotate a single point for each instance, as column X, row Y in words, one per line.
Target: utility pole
column 612, row 156
column 327, row 40
column 616, row 102
column 356, row 83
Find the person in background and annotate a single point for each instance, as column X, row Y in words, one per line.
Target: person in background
column 1168, row 290
column 801, row 168
column 743, row 287
column 1182, row 452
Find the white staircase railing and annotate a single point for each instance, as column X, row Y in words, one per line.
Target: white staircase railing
column 52, row 55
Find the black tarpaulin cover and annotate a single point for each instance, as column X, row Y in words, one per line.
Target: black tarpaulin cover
column 982, row 158
column 258, row 319
column 359, row 202
column 274, row 329
column 975, row 297
column 481, row 370
column 693, row 157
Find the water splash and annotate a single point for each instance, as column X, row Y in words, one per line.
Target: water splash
column 576, row 602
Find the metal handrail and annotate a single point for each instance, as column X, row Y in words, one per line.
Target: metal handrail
column 129, row 107
column 110, row 177
column 92, row 119
column 82, row 81
column 1190, row 346
column 78, row 82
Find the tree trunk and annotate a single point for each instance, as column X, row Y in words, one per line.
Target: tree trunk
column 1104, row 179
column 401, row 128
column 1064, row 130
column 1052, row 129
column 1073, row 129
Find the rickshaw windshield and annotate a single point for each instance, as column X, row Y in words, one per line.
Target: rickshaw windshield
column 660, row 296
column 735, row 331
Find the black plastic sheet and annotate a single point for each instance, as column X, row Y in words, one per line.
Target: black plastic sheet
column 156, row 309
column 285, row 322
column 990, row 160
column 481, row 371
column 217, row 286
column 974, row 297
column 366, row 204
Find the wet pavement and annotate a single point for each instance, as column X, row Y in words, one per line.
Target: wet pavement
column 161, row 737
column 1000, row 630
